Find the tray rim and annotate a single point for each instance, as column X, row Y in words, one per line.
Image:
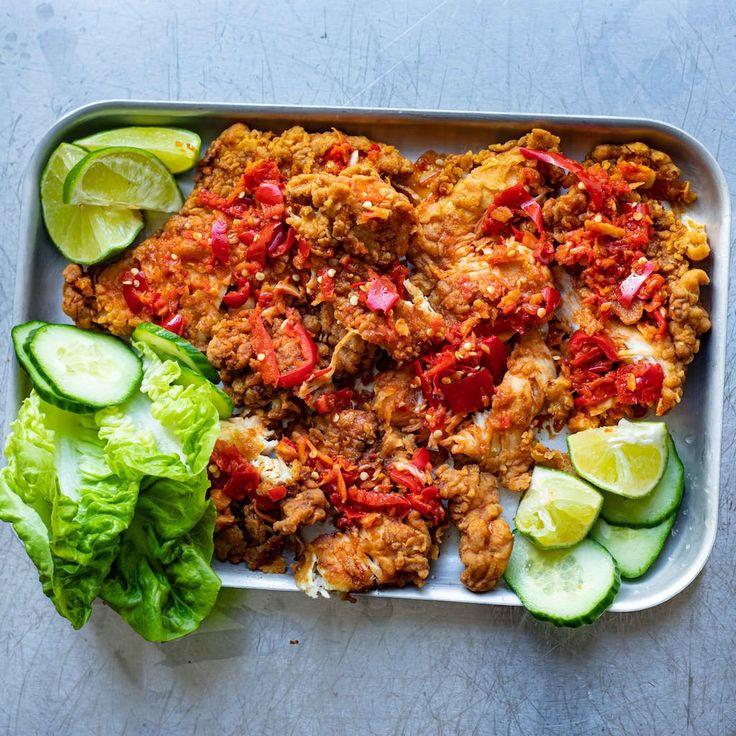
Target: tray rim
column 30, row 216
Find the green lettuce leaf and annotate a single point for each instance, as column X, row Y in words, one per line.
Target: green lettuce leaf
column 66, row 504
column 162, row 583
column 166, row 430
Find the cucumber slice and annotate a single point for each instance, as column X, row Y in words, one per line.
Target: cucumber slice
column 167, row 345
column 634, row 550
column 567, row 587
column 21, row 335
column 653, row 509
column 86, row 367
column 223, row 403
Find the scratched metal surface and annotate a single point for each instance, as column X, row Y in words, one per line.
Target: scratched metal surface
column 377, row 666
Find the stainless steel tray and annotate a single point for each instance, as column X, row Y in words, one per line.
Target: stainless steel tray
column 695, row 424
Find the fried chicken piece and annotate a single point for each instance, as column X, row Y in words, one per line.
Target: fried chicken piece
column 485, row 538
column 361, row 215
column 688, row 319
column 307, row 507
column 178, row 274
column 251, row 540
column 347, row 433
column 396, row 399
column 501, row 439
column 176, row 266
column 334, row 152
column 445, row 220
column 393, row 552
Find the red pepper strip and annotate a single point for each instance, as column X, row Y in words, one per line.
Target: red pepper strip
column 277, row 493
column 268, row 193
column 421, row 458
column 428, row 504
column 470, row 393
column 242, row 481
column 581, row 340
column 397, row 274
column 373, row 152
column 132, row 286
column 382, row 295
column 495, row 360
column 174, row 324
column 132, row 298
column 552, row 299
column 405, row 479
column 597, row 184
column 378, row 500
column 235, row 299
column 333, row 400
column 265, row 170
column 629, row 287
column 556, row 159
column 281, row 242
column 219, row 242
column 649, row 379
column 515, row 198
column 309, row 352
column 268, row 367
column 256, row 251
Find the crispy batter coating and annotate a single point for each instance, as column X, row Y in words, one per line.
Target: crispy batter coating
column 485, row 538
column 392, row 552
column 363, row 216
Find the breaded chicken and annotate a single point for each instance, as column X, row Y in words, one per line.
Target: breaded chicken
column 485, row 538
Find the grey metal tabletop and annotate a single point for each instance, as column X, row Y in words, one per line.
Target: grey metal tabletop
column 268, row 663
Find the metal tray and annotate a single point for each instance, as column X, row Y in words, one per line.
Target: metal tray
column 695, row 424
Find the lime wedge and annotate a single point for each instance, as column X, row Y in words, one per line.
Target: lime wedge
column 627, row 459
column 176, row 147
column 123, row 177
column 558, row 510
column 84, row 234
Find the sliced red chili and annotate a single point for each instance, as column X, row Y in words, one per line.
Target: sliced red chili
column 265, row 170
column 470, row 393
column 219, row 242
column 277, row 493
column 242, row 482
column 497, row 356
column 268, row 365
column 382, row 295
column 629, row 288
column 268, row 193
column 174, row 324
column 379, row 500
column 132, row 286
column 552, row 299
column 421, row 458
column 514, row 198
column 333, row 400
column 235, row 299
column 281, row 241
column 406, row 479
column 309, row 353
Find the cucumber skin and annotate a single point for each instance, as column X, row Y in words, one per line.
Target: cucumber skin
column 192, row 358
column 634, row 574
column 578, row 621
column 21, row 335
column 61, row 395
column 666, row 512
